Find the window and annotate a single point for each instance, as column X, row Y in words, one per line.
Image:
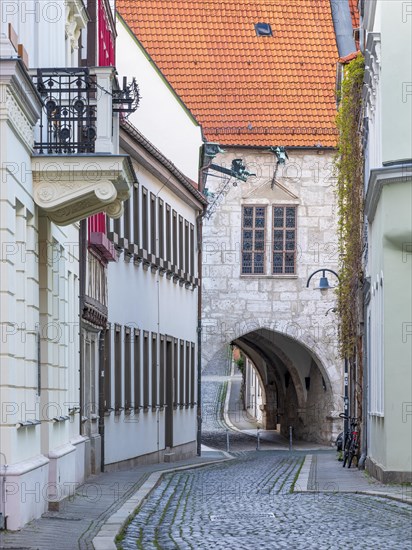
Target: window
column 153, row 224
column 253, row 240
column 107, row 369
column 182, row 373
column 145, row 235
column 145, row 370
column 168, row 234
column 118, row 368
column 186, row 246
column 127, row 368
column 192, row 374
column 187, row 375
column 126, row 220
column 154, row 370
column 192, row 250
column 162, row 366
column 160, row 218
column 137, row 373
column 263, row 29
column 136, row 214
column 284, row 240
column 180, row 264
column 174, row 238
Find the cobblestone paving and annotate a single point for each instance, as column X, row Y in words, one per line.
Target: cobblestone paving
column 247, row 504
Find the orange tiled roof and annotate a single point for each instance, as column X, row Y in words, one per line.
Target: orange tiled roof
column 244, row 89
column 353, row 6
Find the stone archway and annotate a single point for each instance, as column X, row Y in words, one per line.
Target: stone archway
column 302, row 385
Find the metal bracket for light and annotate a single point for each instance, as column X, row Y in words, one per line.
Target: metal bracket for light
column 324, row 285
column 237, row 170
column 281, row 155
column 127, row 99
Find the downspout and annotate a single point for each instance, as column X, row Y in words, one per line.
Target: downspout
column 101, row 396
column 199, row 335
column 365, row 382
column 342, row 23
column 199, row 221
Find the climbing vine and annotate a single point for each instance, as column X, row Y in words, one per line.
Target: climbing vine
column 349, row 163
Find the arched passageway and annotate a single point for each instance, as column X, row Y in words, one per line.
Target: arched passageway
column 298, row 389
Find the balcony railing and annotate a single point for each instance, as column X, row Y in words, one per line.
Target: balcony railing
column 79, row 106
column 68, row 119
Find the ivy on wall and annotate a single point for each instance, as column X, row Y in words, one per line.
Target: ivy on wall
column 349, row 163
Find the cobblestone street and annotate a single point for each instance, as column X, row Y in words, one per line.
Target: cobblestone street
column 249, row 503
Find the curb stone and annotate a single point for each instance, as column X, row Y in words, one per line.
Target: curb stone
column 104, row 540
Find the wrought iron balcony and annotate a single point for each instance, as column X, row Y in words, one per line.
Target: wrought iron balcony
column 80, row 123
column 68, row 119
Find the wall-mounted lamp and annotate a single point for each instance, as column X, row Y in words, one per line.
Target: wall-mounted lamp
column 324, row 285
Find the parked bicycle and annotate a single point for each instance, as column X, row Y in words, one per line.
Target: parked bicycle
column 351, row 440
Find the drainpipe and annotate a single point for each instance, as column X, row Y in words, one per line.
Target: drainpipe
column 101, row 396
column 365, row 381
column 199, row 336
column 342, row 23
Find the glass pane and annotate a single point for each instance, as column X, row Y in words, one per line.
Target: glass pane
column 278, row 245
column 277, row 263
column 260, row 212
column 289, row 263
column 259, row 235
column 290, row 217
column 278, row 212
column 247, row 222
column 258, row 264
column 247, row 245
column 290, row 235
column 247, row 234
column 278, row 235
column 247, row 211
column 260, row 222
column 290, row 245
column 247, row 263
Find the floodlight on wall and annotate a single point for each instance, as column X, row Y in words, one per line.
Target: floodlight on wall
column 280, row 153
column 212, row 149
column 324, row 285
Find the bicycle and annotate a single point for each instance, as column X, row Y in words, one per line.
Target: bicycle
column 351, row 444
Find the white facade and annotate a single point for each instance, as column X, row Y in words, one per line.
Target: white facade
column 43, row 195
column 151, row 346
column 387, row 31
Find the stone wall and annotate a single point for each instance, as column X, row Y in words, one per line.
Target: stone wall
column 235, row 305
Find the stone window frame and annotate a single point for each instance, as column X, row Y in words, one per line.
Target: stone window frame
column 268, row 269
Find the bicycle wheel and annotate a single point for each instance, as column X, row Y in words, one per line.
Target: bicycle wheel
column 346, row 451
column 352, row 452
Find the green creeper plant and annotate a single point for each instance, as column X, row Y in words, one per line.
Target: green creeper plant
column 349, row 164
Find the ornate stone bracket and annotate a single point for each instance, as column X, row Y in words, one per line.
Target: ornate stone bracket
column 70, row 188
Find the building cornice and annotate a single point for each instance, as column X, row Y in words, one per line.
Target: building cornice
column 399, row 173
